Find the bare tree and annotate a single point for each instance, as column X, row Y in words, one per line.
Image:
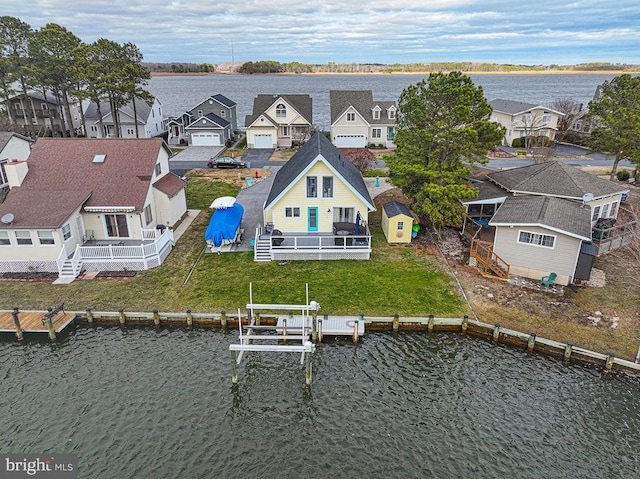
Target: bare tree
column 572, row 111
column 530, row 122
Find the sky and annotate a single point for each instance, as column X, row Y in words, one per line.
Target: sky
column 343, row 31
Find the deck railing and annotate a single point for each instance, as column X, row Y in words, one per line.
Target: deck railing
column 159, row 241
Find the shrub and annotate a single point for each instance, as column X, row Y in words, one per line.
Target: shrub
column 623, row 175
column 517, row 142
column 521, row 152
column 381, row 146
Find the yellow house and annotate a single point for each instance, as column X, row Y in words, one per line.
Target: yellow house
column 317, row 207
column 397, row 222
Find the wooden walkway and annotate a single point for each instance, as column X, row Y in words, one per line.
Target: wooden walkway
column 31, row 321
column 332, row 326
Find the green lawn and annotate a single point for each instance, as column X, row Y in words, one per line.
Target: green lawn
column 395, row 280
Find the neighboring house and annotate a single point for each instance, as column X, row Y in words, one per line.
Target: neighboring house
column 42, row 115
column 149, row 122
column 317, row 208
column 211, row 122
column 358, row 121
column 13, row 146
column 534, row 220
column 90, row 204
column 397, row 222
column 524, row 119
column 279, row 121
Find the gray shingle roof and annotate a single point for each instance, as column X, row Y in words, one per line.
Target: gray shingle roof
column 142, row 109
column 362, row 101
column 393, row 208
column 221, row 122
column 302, row 104
column 554, row 213
column 554, row 178
column 511, row 107
column 318, row 145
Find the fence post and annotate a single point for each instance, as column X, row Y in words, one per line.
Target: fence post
column 16, row 322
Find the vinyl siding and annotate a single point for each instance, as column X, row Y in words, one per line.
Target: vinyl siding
column 390, row 228
column 535, row 261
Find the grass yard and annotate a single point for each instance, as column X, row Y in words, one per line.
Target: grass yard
column 396, row 279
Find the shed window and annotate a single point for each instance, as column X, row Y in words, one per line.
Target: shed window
column 400, row 225
column 536, row 239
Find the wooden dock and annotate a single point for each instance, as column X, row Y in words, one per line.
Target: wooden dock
column 331, row 326
column 33, row 321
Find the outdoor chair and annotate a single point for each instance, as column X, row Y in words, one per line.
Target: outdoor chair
column 547, row 281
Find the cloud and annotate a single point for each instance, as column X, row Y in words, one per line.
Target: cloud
column 376, row 31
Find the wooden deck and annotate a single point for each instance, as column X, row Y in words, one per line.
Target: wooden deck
column 31, row 321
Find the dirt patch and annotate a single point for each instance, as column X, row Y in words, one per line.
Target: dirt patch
column 231, row 176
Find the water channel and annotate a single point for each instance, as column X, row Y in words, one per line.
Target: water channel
column 138, row 403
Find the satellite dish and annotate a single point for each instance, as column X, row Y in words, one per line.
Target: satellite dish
column 587, row 197
column 8, row 218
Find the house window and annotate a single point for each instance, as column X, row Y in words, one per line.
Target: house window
column 546, row 119
column 376, row 133
column 327, row 186
column 129, row 131
column 536, row 239
column 46, row 237
column 148, row 216
column 44, row 106
column 17, row 106
column 116, row 226
column 376, row 114
column 223, row 113
column 292, row 212
column 351, row 116
column 605, row 211
column 392, row 114
column 66, row 232
column 199, row 113
column 24, row 238
column 312, row 187
column 526, row 118
column 153, row 115
column 281, row 111
column 4, row 238
column 614, row 210
column 596, row 213
column 284, row 130
column 400, row 225
column 3, row 173
column 343, row 215
column 158, row 169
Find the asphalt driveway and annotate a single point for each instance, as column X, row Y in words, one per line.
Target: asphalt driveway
column 259, row 158
column 193, row 157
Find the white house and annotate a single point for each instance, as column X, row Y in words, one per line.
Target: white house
column 279, row 121
column 147, row 122
column 524, row 119
column 90, row 204
column 211, row 122
column 358, row 121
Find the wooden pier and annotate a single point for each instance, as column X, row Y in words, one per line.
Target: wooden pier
column 34, row 321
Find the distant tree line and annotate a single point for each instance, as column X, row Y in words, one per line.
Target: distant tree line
column 180, row 67
column 332, row 67
column 54, row 61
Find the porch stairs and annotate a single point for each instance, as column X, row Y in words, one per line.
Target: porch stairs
column 67, row 273
column 262, row 249
column 488, row 262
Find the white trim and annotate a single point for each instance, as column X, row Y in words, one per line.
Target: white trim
column 109, row 209
column 540, row 225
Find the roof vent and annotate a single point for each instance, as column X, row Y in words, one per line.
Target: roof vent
column 99, row 158
column 8, row 218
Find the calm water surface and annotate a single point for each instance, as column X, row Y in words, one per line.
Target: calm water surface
column 139, row 403
column 180, row 93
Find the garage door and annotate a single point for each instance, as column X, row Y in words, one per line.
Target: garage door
column 350, row 141
column 262, row 141
column 205, row 139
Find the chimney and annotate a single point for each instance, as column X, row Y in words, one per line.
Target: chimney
column 16, row 171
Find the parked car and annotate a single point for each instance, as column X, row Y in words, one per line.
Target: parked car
column 225, row 162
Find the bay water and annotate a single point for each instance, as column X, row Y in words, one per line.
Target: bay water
column 141, row 403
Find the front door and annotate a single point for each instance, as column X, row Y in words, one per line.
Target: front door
column 313, row 218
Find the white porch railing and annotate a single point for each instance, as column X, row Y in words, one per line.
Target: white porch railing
column 115, row 252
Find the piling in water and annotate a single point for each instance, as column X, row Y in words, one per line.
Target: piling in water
column 531, row 342
column 396, row 322
column 190, row 318
column 122, row 317
column 567, row 351
column 223, row 319
column 156, row 318
column 609, row 364
column 16, row 322
column 89, row 316
column 465, row 324
column 430, row 323
column 496, row 332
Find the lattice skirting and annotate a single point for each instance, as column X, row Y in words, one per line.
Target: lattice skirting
column 319, row 255
column 28, row 267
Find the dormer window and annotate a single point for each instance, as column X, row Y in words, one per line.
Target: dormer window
column 223, row 113
column 351, row 116
column 376, row 113
column 392, row 113
column 281, row 111
column 199, row 113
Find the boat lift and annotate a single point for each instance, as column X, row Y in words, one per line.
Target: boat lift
column 251, row 338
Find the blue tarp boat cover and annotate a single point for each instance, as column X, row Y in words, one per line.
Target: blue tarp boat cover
column 224, row 224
